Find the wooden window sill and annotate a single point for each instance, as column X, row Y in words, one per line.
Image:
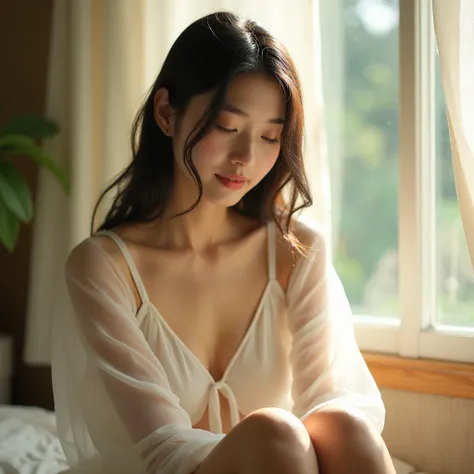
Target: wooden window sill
column 450, row 379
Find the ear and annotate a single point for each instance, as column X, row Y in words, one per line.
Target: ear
column 163, row 112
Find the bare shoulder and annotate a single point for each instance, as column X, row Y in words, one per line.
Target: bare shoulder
column 307, row 234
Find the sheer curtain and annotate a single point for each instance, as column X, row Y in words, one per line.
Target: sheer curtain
column 454, row 28
column 95, row 80
column 104, row 55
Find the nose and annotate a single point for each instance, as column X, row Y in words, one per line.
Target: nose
column 242, row 151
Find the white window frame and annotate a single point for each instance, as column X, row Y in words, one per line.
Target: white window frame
column 413, row 335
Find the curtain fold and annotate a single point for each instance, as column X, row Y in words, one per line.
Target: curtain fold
column 454, row 29
column 95, row 82
column 104, row 54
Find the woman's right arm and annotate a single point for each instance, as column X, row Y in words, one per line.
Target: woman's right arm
column 112, row 397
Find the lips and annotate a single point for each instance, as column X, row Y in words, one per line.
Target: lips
column 233, row 177
column 232, row 181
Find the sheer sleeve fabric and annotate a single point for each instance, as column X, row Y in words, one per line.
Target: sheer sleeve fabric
column 328, row 368
column 115, row 409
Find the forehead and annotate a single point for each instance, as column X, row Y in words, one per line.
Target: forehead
column 257, row 94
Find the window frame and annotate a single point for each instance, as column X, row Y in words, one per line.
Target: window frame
column 414, row 335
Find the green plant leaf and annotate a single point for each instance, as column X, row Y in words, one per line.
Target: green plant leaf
column 9, row 227
column 33, row 126
column 16, row 141
column 21, row 144
column 15, row 192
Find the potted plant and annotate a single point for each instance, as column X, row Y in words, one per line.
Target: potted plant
column 19, row 136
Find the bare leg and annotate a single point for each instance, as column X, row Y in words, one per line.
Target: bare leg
column 269, row 440
column 346, row 444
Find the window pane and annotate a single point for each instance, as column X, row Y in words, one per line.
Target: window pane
column 363, row 154
column 455, row 281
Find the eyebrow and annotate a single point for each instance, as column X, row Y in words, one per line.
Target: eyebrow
column 235, row 110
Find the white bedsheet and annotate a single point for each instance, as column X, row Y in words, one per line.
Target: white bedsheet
column 28, row 441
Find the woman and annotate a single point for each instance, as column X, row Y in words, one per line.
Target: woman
column 208, row 332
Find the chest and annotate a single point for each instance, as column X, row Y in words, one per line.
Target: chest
column 209, row 304
column 258, row 373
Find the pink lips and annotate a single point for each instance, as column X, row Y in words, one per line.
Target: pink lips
column 232, row 181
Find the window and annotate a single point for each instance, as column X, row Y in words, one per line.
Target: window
column 399, row 245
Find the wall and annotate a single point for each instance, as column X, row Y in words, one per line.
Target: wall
column 431, row 432
column 24, row 43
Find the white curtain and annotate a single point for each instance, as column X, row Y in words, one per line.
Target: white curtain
column 454, row 28
column 104, row 55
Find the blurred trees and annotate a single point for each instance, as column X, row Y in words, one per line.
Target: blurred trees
column 366, row 249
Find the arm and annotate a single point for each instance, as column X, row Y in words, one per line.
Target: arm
column 328, row 368
column 113, row 401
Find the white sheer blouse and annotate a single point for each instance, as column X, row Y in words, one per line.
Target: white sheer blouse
column 128, row 391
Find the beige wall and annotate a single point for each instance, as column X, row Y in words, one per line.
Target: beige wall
column 431, row 432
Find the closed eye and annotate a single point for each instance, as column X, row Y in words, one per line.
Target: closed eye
column 233, row 130
column 228, row 130
column 271, row 140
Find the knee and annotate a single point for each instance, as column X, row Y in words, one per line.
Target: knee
column 349, row 429
column 279, row 441
column 340, row 434
column 268, row 440
column 274, row 428
column 355, row 430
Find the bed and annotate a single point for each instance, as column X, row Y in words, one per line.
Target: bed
column 28, row 441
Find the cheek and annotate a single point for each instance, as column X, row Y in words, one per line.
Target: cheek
column 203, row 155
column 268, row 158
column 208, row 153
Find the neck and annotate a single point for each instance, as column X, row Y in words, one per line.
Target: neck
column 202, row 228
column 206, row 226
column 199, row 230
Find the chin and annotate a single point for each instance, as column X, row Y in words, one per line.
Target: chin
column 225, row 201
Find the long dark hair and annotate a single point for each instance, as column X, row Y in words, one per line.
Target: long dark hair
column 205, row 58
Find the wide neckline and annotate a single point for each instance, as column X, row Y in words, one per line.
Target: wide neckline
column 241, row 345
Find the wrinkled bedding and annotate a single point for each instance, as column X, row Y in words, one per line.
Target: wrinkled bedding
column 28, row 441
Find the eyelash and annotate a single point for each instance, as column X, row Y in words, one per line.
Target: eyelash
column 272, row 141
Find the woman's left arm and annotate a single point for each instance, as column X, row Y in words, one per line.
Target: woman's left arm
column 329, row 372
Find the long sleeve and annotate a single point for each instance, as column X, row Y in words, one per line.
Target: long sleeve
column 115, row 409
column 328, row 368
